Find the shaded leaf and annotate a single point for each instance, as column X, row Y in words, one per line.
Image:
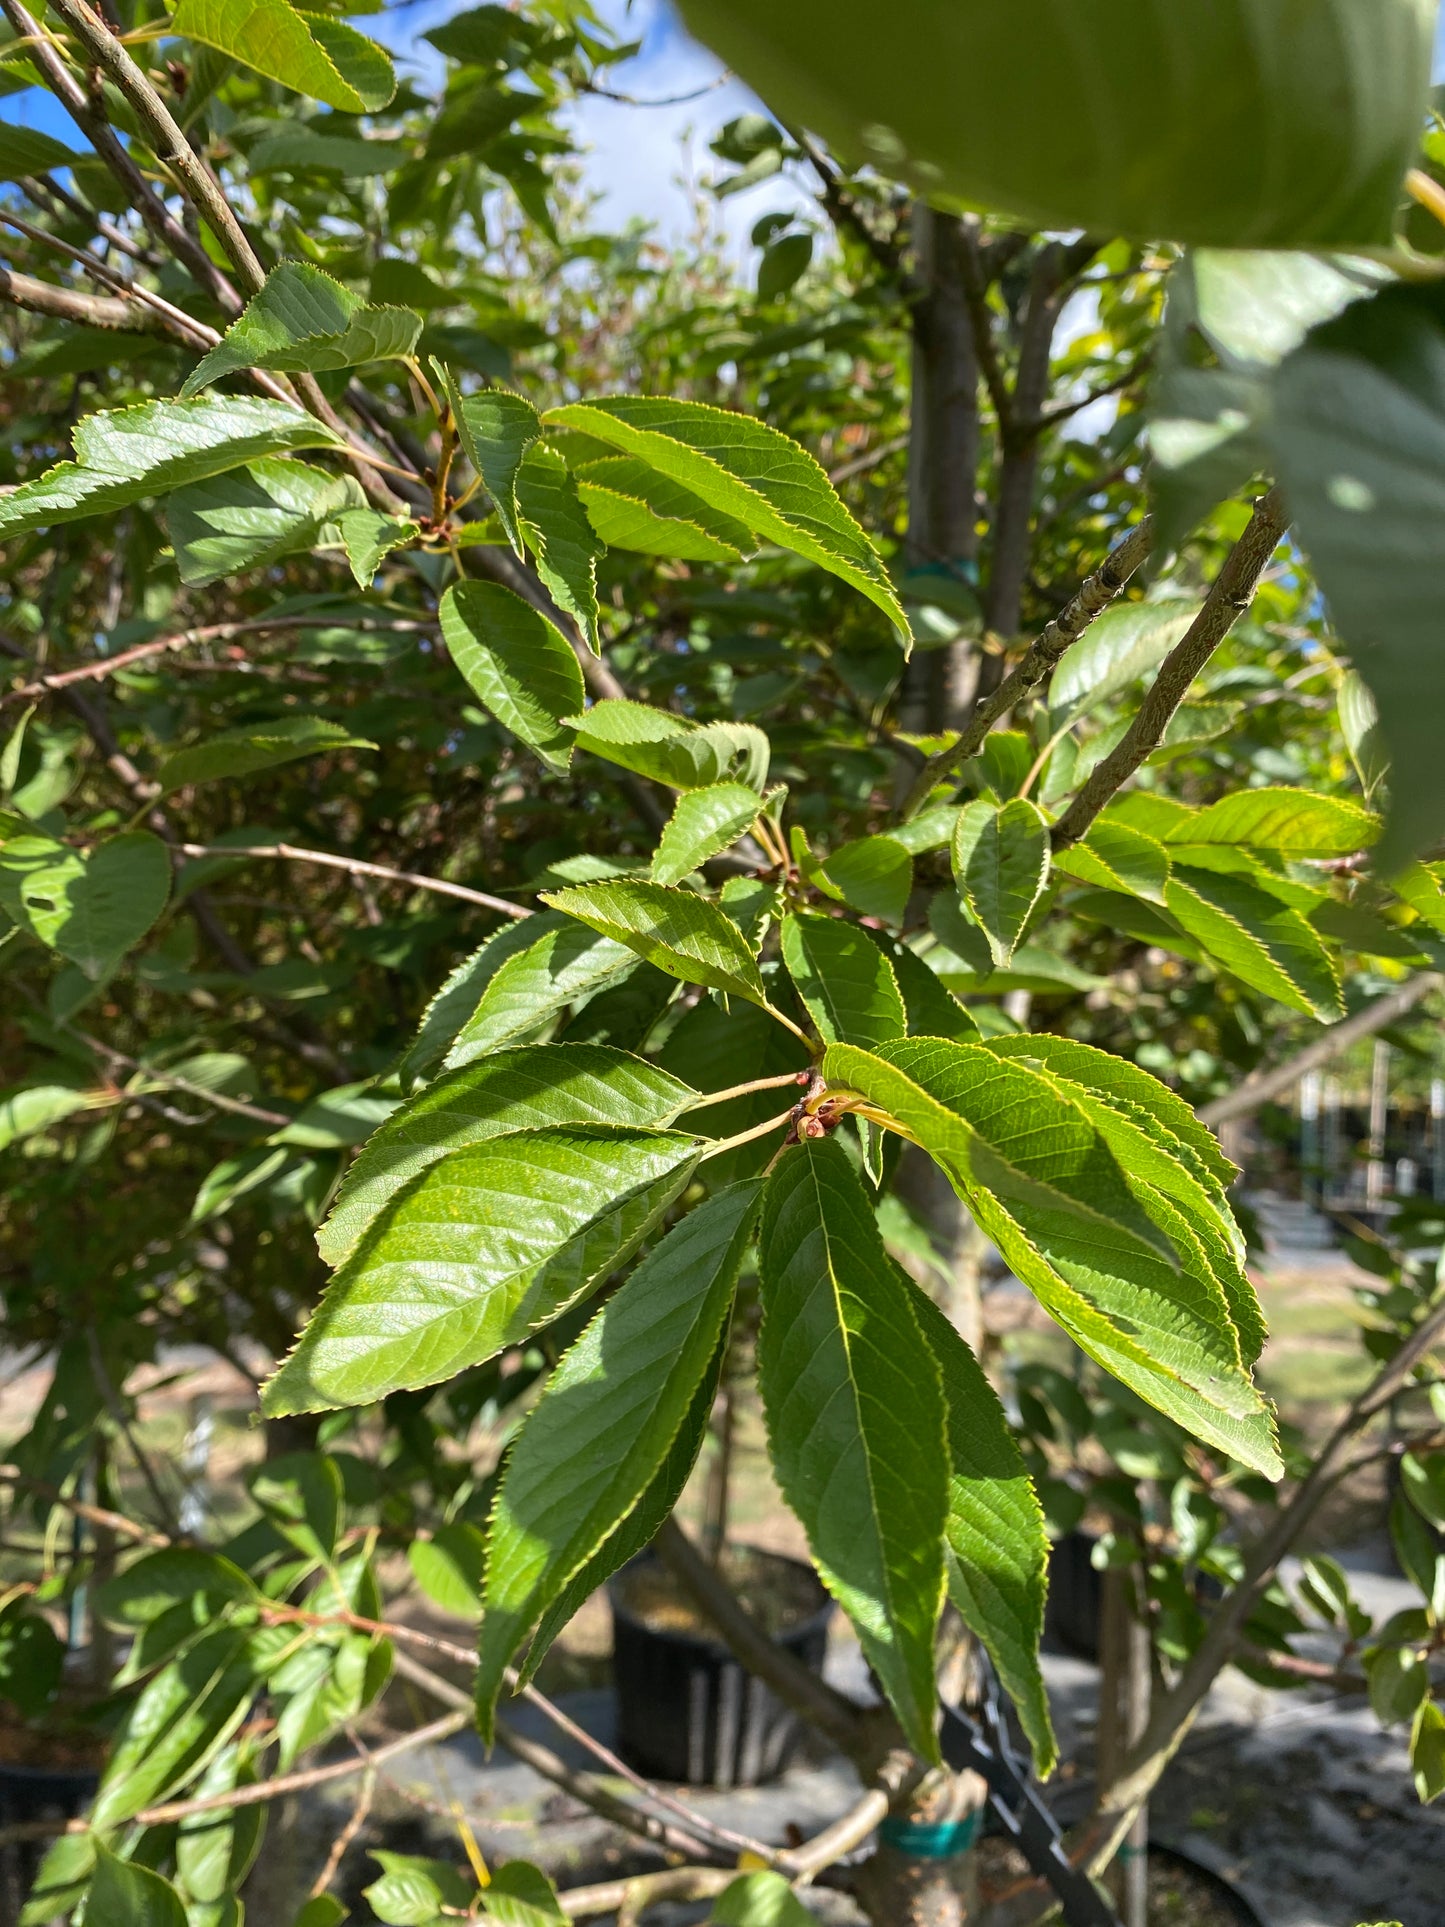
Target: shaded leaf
column 258, row 746
column 564, row 542
column 683, row 935
column 1249, row 932
column 125, row 1895
column 671, row 749
column 496, row 429
column 1122, row 645
column 1001, row 860
column 93, row 909
column 855, row 1419
column 601, row 1431
column 518, row 664
column 537, row 977
column 254, row 516
column 846, row 982
column 1116, row 857
column 874, row 875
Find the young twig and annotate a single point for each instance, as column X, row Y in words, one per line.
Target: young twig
column 354, row 866
column 1233, row 591
column 115, row 1405
column 340, row 1845
column 1040, row 660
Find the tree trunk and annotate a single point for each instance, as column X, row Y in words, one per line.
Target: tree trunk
column 1125, row 1682
column 925, row 1871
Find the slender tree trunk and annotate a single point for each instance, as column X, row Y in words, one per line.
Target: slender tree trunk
column 1125, row 1682
column 943, row 461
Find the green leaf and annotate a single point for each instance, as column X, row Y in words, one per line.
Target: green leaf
column 509, row 1090
column 1041, row 1182
column 1360, row 727
column 521, row 1895
column 449, row 1566
column 34, row 1108
column 242, row 752
column 703, row 824
column 762, row 1899
column 1427, row 1752
column 369, row 538
column 302, row 322
column 458, row 997
column 998, row 1575
column 25, row 150
column 413, row 1891
column 92, row 909
column 518, row 664
column 1001, row 860
column 496, row 430
column 856, row 1423
column 183, row 1716
column 322, row 1910
column 1292, row 823
column 129, row 454
column 706, row 1047
column 563, row 541
column 602, row 1429
column 1423, row 1479
column 1160, row 1147
column 254, row 516
column 160, row 1580
column 874, row 875
column 1359, row 427
column 1116, row 650
column 307, row 52
column 1399, row 1683
column 1115, row 857
column 301, row 150
column 124, row 1895
column 847, row 983
column 480, row 1249
column 1204, row 125
column 1249, row 932
column 931, row 1008
column 683, row 935
column 671, row 749
column 531, row 980
column 746, row 470
column 620, row 496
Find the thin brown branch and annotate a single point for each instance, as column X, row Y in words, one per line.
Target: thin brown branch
column 1233, row 591
column 1040, row 660
column 115, row 1405
column 985, row 340
column 95, row 1515
column 354, row 866
column 1261, row 1087
column 1174, row 1712
column 355, row 1822
column 71, row 304
column 89, row 118
column 259, row 1794
column 173, row 320
column 860, row 464
column 645, row 1889
column 165, row 137
column 237, row 1107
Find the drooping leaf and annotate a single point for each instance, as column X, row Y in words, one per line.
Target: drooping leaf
column 93, row 909
column 1042, row 1183
column 1001, row 860
column 602, row 1429
column 528, row 980
column 507, row 1090
column 1250, row 126
column 681, row 934
column 1427, row 1751
column 563, row 541
column 1359, row 428
column 310, row 53
column 477, row 1251
column 874, row 874
column 521, row 1895
column 998, row 1574
column 36, row 1107
column 254, row 516
column 496, row 429
column 1294, row 823
column 256, row 746
column 517, row 664
column 125, row 1895
column 703, row 824
column 846, row 982
column 746, row 470
column 301, row 321
column 413, row 1890
column 1260, row 940
column 672, row 749
column 856, row 1420
column 129, row 454
column 762, row 1899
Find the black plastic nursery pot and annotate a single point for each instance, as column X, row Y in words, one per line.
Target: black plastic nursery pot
column 1074, row 1611
column 687, row 1712
column 29, row 1793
